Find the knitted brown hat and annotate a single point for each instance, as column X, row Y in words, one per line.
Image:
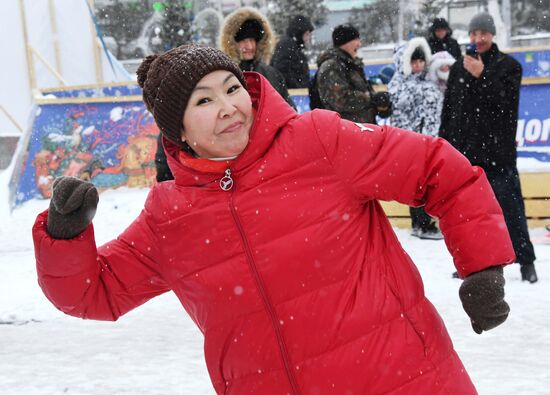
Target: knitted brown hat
column 167, row 81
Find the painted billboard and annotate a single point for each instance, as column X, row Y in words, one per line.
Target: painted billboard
column 110, row 144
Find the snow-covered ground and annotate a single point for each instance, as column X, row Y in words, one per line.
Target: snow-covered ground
column 156, row 349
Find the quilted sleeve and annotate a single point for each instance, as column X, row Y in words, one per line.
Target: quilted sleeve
column 100, row 283
column 387, row 163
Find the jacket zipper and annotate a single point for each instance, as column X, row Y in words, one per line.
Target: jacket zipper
column 259, row 284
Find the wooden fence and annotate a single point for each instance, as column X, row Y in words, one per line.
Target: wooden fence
column 536, row 195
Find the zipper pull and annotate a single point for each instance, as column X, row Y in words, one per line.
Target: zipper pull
column 226, row 183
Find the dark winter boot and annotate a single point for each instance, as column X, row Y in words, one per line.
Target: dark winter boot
column 430, row 232
column 528, row 273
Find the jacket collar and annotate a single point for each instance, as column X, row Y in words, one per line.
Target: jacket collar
column 343, row 56
column 272, row 113
column 491, row 54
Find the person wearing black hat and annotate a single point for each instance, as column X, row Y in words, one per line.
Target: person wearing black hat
column 272, row 229
column 439, row 38
column 480, row 116
column 289, row 57
column 340, row 80
column 248, row 39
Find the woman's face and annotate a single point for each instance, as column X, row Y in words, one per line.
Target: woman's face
column 218, row 116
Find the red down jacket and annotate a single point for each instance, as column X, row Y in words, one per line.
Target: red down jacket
column 295, row 276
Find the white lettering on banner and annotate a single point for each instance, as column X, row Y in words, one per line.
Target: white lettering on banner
column 534, row 131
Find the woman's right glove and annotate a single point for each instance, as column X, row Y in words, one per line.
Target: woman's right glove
column 72, row 207
column 482, row 296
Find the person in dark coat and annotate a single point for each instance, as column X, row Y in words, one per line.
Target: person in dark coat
column 289, row 57
column 439, row 38
column 248, row 39
column 479, row 118
column 341, row 81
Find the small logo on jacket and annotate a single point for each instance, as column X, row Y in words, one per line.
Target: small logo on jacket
column 363, row 127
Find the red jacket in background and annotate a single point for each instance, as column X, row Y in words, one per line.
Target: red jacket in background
column 295, row 276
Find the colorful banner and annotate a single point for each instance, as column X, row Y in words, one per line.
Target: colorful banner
column 535, row 63
column 534, row 122
column 113, row 143
column 110, row 144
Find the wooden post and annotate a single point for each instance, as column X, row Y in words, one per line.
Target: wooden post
column 96, row 47
column 11, row 118
column 53, row 23
column 30, row 64
column 49, row 66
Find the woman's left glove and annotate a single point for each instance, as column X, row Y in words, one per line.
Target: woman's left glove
column 482, row 296
column 72, row 208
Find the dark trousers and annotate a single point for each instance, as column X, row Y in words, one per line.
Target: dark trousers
column 420, row 220
column 507, row 188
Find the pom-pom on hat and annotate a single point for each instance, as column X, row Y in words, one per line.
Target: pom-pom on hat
column 168, row 80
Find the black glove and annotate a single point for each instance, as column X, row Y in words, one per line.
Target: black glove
column 382, row 103
column 482, row 296
column 72, row 208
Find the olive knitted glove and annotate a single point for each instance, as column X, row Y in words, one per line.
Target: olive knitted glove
column 482, row 296
column 72, row 207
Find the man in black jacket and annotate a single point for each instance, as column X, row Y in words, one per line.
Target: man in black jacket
column 440, row 39
column 289, row 57
column 479, row 118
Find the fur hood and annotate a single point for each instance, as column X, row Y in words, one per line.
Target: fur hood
column 439, row 59
column 402, row 56
column 231, row 25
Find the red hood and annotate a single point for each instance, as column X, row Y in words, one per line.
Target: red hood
column 267, row 122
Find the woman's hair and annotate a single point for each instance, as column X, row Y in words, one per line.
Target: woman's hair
column 168, row 80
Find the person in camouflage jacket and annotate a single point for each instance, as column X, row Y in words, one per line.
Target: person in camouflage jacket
column 341, row 80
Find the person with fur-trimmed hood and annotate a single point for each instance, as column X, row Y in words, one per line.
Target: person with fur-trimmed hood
column 415, row 99
column 248, row 39
column 289, row 57
column 417, row 104
column 439, row 38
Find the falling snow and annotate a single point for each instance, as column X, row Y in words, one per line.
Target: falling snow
column 156, row 349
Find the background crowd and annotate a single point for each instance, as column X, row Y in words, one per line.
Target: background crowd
column 471, row 101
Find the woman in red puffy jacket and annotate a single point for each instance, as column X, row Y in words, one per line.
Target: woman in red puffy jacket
column 273, row 239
